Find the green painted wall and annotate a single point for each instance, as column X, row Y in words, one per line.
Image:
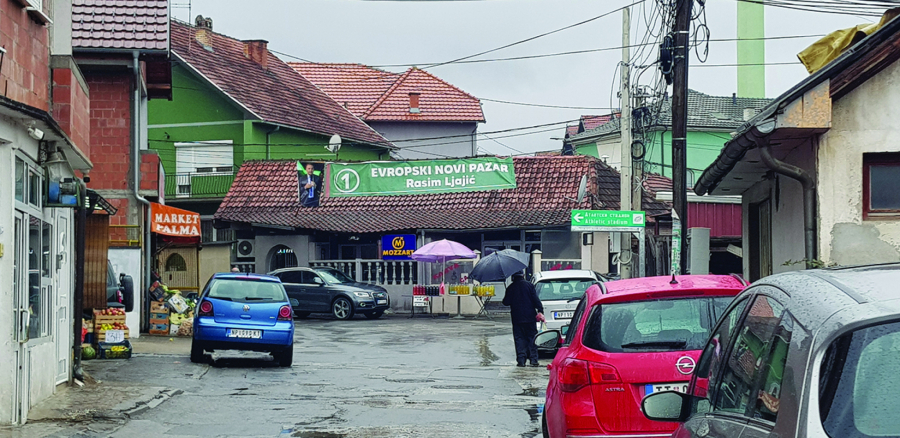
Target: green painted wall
column 751, row 49
column 202, row 113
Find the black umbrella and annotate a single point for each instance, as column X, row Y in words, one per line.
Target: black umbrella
column 500, row 265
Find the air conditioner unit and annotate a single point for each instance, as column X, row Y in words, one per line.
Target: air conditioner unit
column 246, row 249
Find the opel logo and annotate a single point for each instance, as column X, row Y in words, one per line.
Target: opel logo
column 685, row 365
column 247, row 309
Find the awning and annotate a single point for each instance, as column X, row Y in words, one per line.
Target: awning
column 171, row 221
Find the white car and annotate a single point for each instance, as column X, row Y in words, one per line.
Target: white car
column 560, row 291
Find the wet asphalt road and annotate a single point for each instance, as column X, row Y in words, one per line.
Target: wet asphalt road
column 392, row 377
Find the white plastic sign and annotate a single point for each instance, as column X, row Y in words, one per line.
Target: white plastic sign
column 115, row 336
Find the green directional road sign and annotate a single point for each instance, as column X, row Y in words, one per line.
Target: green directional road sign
column 607, row 220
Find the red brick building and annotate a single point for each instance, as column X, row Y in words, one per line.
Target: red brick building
column 122, row 49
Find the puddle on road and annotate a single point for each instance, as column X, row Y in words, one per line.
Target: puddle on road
column 484, row 349
column 457, row 386
column 317, row 434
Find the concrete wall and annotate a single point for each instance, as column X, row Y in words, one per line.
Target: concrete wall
column 865, row 120
column 128, row 261
column 265, row 246
column 213, row 259
column 786, row 196
column 463, row 145
column 600, row 253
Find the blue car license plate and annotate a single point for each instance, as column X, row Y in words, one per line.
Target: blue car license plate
column 244, row 334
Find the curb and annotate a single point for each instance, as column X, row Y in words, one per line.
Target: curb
column 159, row 399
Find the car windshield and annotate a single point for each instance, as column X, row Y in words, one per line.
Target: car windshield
column 242, row 290
column 334, row 276
column 653, row 325
column 563, row 288
column 858, row 385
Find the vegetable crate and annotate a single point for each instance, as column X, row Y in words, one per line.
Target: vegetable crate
column 120, row 350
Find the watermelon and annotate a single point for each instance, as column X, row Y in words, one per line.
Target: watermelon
column 88, row 353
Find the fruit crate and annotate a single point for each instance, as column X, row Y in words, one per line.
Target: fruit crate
column 158, row 307
column 100, row 319
column 100, row 336
column 121, row 350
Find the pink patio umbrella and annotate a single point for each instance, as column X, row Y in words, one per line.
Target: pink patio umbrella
column 441, row 251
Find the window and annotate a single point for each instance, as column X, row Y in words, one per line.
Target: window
column 39, row 272
column 201, row 160
column 652, row 325
column 858, row 383
column 769, row 395
column 573, row 324
column 881, row 185
column 735, row 389
column 20, row 180
column 712, row 357
column 563, row 289
column 292, row 277
column 243, row 291
column 309, row 277
column 175, row 262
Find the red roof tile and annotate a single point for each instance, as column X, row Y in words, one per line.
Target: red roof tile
column 378, row 95
column 276, row 94
column 120, row 24
column 571, row 130
column 267, row 192
column 591, row 122
column 654, row 183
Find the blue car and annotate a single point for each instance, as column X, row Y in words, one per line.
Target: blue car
column 244, row 312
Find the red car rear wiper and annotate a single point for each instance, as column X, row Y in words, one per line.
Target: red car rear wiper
column 673, row 344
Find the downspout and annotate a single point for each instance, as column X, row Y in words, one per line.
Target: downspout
column 78, row 299
column 809, row 197
column 269, row 133
column 136, row 164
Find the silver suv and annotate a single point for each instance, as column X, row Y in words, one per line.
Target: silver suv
column 803, row 354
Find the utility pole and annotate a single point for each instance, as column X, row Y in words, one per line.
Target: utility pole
column 679, row 122
column 625, row 176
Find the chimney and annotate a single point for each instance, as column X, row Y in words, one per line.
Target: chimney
column 257, row 51
column 203, row 26
column 414, row 103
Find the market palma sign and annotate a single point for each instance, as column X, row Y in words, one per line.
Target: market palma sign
column 420, row 177
column 607, row 220
column 173, row 221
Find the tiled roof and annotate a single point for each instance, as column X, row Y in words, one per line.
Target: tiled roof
column 591, row 122
column 378, row 95
column 276, row 94
column 120, row 24
column 654, row 183
column 704, row 111
column 267, row 192
column 571, row 130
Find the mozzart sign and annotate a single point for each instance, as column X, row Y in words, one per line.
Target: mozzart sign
column 420, row 177
column 398, row 246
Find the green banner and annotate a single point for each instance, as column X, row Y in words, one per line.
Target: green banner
column 387, row 178
column 607, row 220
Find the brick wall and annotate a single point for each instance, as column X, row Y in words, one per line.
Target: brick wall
column 110, row 130
column 71, row 108
column 150, row 171
column 25, row 76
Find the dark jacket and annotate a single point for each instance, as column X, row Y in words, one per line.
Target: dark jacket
column 310, row 197
column 523, row 302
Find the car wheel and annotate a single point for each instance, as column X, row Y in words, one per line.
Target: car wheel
column 342, row 308
column 544, row 430
column 374, row 315
column 301, row 315
column 284, row 357
column 196, row 351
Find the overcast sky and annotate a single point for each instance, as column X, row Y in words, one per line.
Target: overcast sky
column 424, row 32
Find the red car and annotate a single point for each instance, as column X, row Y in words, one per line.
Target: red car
column 642, row 336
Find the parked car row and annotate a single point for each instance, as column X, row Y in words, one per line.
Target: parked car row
column 255, row 312
column 809, row 353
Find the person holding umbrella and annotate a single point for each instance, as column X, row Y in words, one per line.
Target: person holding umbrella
column 525, row 309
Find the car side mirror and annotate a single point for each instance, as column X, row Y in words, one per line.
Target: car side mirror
column 549, row 339
column 669, row 406
column 318, row 281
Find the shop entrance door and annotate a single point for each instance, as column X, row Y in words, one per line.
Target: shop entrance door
column 491, row 246
column 60, row 263
column 20, row 321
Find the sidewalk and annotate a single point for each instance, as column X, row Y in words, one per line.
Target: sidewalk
column 174, row 345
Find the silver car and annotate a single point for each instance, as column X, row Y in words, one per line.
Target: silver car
column 560, row 291
column 803, row 354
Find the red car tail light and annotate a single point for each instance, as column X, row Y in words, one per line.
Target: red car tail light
column 603, row 373
column 206, row 308
column 573, row 375
column 284, row 313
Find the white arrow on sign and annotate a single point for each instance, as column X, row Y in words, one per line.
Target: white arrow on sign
column 578, row 217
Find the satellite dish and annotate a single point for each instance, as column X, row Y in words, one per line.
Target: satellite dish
column 334, row 145
column 582, row 189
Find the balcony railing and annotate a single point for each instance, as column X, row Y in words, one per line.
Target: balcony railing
column 199, row 185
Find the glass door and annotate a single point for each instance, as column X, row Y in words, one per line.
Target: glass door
column 20, row 320
column 60, row 260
